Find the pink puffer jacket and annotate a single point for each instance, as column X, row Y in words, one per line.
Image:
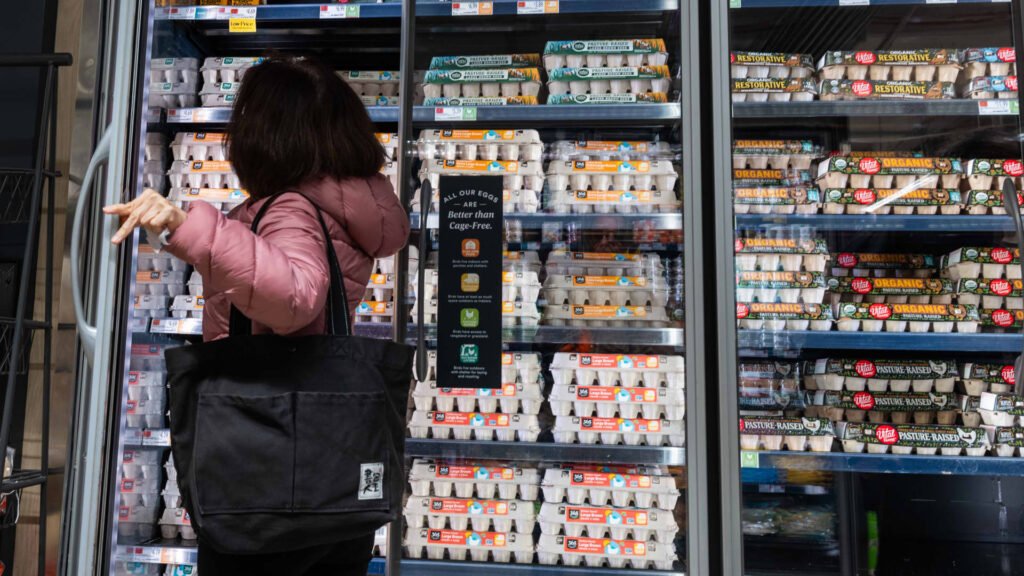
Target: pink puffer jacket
column 280, row 278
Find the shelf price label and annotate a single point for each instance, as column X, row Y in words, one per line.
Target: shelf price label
column 750, row 459
column 181, row 13
column 179, row 115
column 472, row 8
column 455, row 114
column 537, row 7
column 338, row 12
column 998, row 107
column 940, row 1
column 854, row 2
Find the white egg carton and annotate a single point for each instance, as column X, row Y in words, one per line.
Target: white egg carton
column 470, row 514
column 619, row 80
column 776, row 200
column 138, row 513
column 218, row 69
column 926, row 65
column 871, row 264
column 566, row 150
column 579, row 290
column 882, row 375
column 146, row 393
column 885, row 172
column 511, row 398
column 878, row 317
column 374, row 311
column 173, row 94
column 598, row 99
column 771, row 178
column 520, row 286
column 155, row 147
column 148, row 306
column 176, row 522
column 490, row 101
column 516, row 175
column 473, row 480
column 603, row 552
column 640, row 488
column 991, row 293
column 174, row 70
column 223, row 199
column 166, row 283
column 195, row 284
column 628, row 370
column 892, row 201
column 372, row 82
column 604, row 53
column 912, row 439
column 979, row 378
column 488, row 83
column 467, row 545
column 202, row 174
column 782, row 433
column 136, row 568
column 881, row 407
column 171, row 494
column 770, row 254
column 1003, row 410
column 561, row 262
column 380, row 288
column 595, row 316
column 981, row 262
column 890, row 290
column 474, row 425
column 612, row 202
column 611, row 175
column 989, row 62
column 181, row 570
column 199, row 146
column 1006, row 442
column 969, row 406
column 508, row 145
column 774, row 154
column 651, row 403
column 146, row 480
column 185, row 306
column 769, row 389
column 220, row 95
column 380, row 100
column 776, row 65
column 787, row 287
column 613, row 431
column 775, row 316
column 147, row 413
column 773, row 89
column 989, row 87
column 607, row 522
column 991, row 173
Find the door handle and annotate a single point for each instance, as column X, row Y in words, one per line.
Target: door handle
column 426, row 195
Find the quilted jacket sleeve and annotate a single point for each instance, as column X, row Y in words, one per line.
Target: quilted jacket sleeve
column 278, row 279
column 375, row 219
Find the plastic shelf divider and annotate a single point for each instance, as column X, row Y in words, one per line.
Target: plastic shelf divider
column 796, row 340
column 891, row 463
column 879, row 223
column 544, row 452
column 959, row 107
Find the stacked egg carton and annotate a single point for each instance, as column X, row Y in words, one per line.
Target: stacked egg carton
column 989, row 73
column 507, row 414
column 173, row 82
column 155, row 165
column 901, row 74
column 175, row 521
column 774, row 177
column 884, row 183
column 786, row 433
column 770, row 389
column 482, row 80
column 565, row 150
column 618, row 399
column 160, row 277
column 138, row 493
column 374, row 87
column 780, row 283
column 607, row 71
column 222, row 77
column 992, row 274
column 912, row 439
column 772, row 77
column 984, row 183
column 1003, row 414
column 466, row 511
column 608, row 517
column 523, row 180
column 611, row 177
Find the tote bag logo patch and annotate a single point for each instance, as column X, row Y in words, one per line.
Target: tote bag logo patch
column 371, row 481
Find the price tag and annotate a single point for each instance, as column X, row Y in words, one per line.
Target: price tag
column 472, row 8
column 750, row 459
column 338, row 11
column 143, row 554
column 735, row 4
column 182, row 13
column 454, row 114
column 158, row 437
column 854, row 2
column 179, row 115
column 998, row 107
column 161, row 13
column 537, row 7
column 242, row 25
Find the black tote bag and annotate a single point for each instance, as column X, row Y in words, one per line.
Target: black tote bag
column 286, row 443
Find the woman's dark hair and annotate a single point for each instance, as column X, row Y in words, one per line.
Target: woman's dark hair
column 295, row 120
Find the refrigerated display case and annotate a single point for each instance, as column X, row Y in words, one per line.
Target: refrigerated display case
column 582, row 460
column 869, row 306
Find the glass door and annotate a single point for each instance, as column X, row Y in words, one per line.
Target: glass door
column 872, row 306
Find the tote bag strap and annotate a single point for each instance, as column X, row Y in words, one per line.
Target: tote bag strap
column 337, row 301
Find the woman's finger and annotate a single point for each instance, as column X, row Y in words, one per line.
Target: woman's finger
column 117, row 209
column 129, row 224
column 149, row 211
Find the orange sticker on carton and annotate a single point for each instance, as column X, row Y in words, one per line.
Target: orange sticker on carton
column 214, row 166
column 605, row 546
column 484, row 135
column 458, row 472
column 628, row 425
column 474, row 419
column 598, row 479
column 605, row 256
column 497, row 166
column 467, row 538
column 463, row 506
column 506, row 390
column 600, row 361
column 636, row 196
column 611, row 146
column 605, row 516
column 608, row 311
column 613, row 166
column 609, row 281
column 617, row 394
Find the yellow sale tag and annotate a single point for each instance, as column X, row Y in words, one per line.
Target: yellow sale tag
column 242, row 25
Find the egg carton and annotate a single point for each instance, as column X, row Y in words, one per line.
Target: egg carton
column 166, row 283
column 613, row 431
column 134, row 457
column 507, row 145
column 223, row 199
column 639, row 488
column 868, row 264
column 771, row 178
column 830, row 90
column 765, row 391
column 474, row 425
column 136, row 569
column 562, row 262
column 991, row 293
column 892, row 201
column 776, row 316
column 878, row 317
column 773, row 89
column 461, row 545
column 470, row 514
column 989, row 87
column 882, row 375
column 770, row 65
column 142, row 470
column 202, row 174
column 594, row 316
column 1006, row 442
column 925, row 65
column 980, row 377
column 155, row 147
column 171, row 495
column 143, row 530
column 147, row 357
column 607, row 522
column 1002, row 319
column 147, row 413
column 221, row 94
column 975, row 262
column 133, row 500
column 604, row 552
column 489, row 83
column 891, row 290
column 579, row 290
column 567, row 150
column 969, row 406
column 481, row 101
column 144, row 483
column 612, row 202
column 148, row 306
column 774, row 154
column 199, row 146
column 516, row 175
column 604, row 53
column 619, row 80
column 598, row 99
column 473, row 480
column 991, row 173
column 627, row 370
column 886, row 172
column 979, row 202
column 783, row 433
column 375, row 312
column 372, row 82
column 176, row 522
column 788, row 287
column 195, row 284
column 776, row 200
column 881, row 407
column 173, row 94
column 770, row 254
column 185, row 306
column 485, row 62
column 511, row 398
column 181, row 570
column 605, row 402
column 138, row 514
column 217, row 69
column 912, row 439
column 1002, row 410
column 389, row 142
column 989, row 62
column 380, row 288
column 611, row 175
column 146, row 393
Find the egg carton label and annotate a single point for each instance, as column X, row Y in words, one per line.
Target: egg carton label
column 460, row 472
column 618, row 361
column 989, row 198
column 991, row 287
column 583, row 515
column 995, row 167
column 610, row 166
column 886, row 401
column 779, row 426
column 876, row 261
column 372, row 308
column 621, row 72
column 506, row 391
column 781, row 311
column 1005, row 436
column 758, row 245
column 464, row 506
column 772, row 147
column 635, row 425
column 494, row 75
column 767, row 370
column 172, row 88
column 486, row 61
column 609, row 281
column 776, row 196
column 642, row 98
column 482, row 101
column 147, row 350
column 603, row 479
column 889, row 286
column 477, row 135
column 371, row 75
column 603, row 257
column 1009, row 403
column 890, row 57
column 603, row 546
column 616, row 394
column 990, row 55
column 587, row 311
column 917, row 436
column 486, row 166
column 983, row 255
column 616, row 196
column 909, row 312
column 474, row 419
column 743, row 177
column 866, row 196
column 468, row 538
column 211, row 194
column 885, row 369
column 885, row 165
column 381, row 280
column 773, row 85
column 610, row 146
column 200, row 138
column 638, row 46
column 993, row 84
column 208, row 166
column 781, row 280
column 766, row 395
column 990, row 373
column 772, row 59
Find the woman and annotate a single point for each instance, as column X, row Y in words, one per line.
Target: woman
column 297, row 130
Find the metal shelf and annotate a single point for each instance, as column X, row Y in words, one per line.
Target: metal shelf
column 885, row 463
column 873, row 108
column 159, row 552
column 795, row 340
column 879, row 223
column 445, row 568
column 815, row 3
column 544, row 452
column 561, row 335
column 536, row 221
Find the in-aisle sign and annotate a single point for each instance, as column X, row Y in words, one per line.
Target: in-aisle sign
column 537, row 7
column 469, row 281
column 455, row 114
column 472, row 8
column 998, row 107
column 338, row 11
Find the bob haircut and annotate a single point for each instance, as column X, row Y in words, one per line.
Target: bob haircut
column 295, row 120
